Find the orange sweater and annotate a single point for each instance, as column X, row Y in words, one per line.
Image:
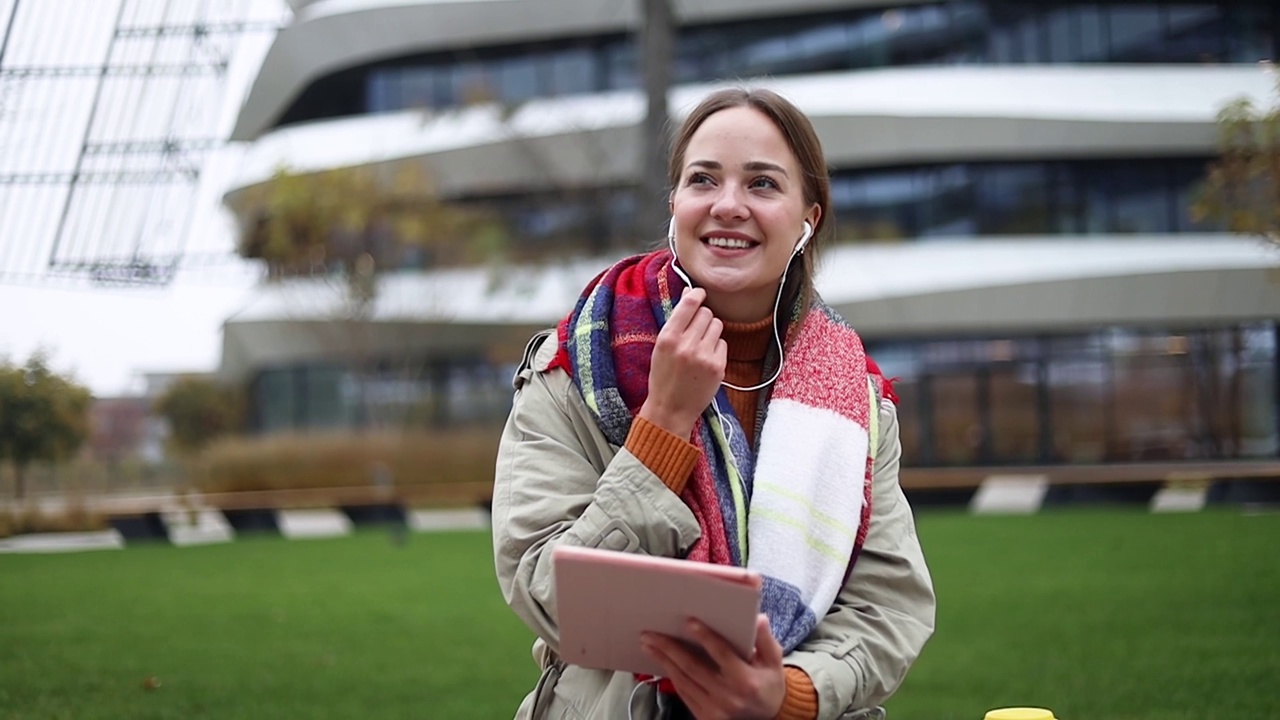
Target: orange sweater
column 672, row 459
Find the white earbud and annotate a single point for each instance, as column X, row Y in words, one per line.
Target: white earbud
column 671, row 243
column 804, row 238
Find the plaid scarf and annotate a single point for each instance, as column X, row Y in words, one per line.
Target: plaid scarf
column 795, row 508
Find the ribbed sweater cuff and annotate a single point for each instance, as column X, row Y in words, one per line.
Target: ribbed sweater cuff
column 671, row 458
column 801, row 700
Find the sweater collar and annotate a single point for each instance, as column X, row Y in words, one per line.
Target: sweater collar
column 748, row 341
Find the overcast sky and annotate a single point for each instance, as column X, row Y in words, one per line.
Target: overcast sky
column 108, row 337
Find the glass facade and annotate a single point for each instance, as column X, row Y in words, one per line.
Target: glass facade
column 962, row 32
column 959, row 200
column 1116, row 395
column 452, row 392
column 1085, row 197
column 591, row 219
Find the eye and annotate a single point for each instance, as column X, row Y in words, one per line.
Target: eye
column 698, row 178
column 764, row 182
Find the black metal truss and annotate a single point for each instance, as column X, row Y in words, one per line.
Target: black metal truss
column 123, row 211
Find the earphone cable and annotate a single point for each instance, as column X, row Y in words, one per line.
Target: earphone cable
column 777, row 339
column 632, row 699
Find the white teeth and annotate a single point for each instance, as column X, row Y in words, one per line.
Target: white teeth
column 728, row 243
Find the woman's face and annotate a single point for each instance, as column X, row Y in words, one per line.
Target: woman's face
column 739, row 211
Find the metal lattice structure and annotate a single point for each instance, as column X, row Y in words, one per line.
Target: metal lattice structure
column 109, row 112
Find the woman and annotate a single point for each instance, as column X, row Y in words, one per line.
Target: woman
column 701, row 401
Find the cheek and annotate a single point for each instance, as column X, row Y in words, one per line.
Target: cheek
column 784, row 226
column 686, row 205
column 688, row 217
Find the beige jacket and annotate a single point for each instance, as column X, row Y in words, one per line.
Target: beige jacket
column 559, row 480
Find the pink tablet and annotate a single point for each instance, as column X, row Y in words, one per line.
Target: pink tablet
column 605, row 599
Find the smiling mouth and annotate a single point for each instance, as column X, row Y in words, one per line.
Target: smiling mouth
column 730, row 243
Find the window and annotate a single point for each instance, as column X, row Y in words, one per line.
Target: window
column 1091, row 26
column 1254, row 399
column 381, row 93
column 1141, row 201
column 1014, row 381
column 622, row 69
column 1062, row 34
column 1135, row 33
column 573, row 72
column 326, row 404
column 1029, row 198
column 1015, row 199
column 273, row 398
column 948, row 208
column 1252, row 33
column 1195, row 34
column 1154, row 398
column 957, row 425
column 879, row 205
column 902, row 361
column 1079, row 385
column 471, row 83
column 519, row 79
column 1115, row 395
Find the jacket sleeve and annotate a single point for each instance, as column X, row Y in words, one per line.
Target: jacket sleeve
column 558, row 481
column 861, row 651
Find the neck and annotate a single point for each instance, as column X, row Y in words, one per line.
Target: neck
column 748, row 344
column 746, row 306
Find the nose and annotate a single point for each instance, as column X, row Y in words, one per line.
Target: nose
column 730, row 203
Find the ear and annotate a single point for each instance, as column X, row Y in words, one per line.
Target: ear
column 814, row 215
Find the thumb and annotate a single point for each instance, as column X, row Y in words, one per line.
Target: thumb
column 768, row 651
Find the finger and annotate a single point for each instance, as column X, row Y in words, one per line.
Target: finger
column 768, row 649
column 681, row 666
column 701, row 703
column 684, row 310
column 730, row 663
column 700, row 700
column 712, row 334
column 697, row 328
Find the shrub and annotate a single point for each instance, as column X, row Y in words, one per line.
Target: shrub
column 75, row 517
column 344, row 459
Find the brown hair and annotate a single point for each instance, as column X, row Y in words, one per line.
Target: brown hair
column 803, row 141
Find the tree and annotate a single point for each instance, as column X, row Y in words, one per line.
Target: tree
column 1242, row 188
column 328, row 223
column 347, row 227
column 199, row 411
column 43, row 416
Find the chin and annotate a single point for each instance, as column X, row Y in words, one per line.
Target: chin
column 723, row 282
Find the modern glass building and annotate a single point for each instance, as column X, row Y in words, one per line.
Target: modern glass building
column 1011, row 184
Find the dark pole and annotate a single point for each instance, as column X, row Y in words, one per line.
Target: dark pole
column 657, row 38
column 1275, row 388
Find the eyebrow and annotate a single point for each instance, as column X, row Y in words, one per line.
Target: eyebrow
column 755, row 166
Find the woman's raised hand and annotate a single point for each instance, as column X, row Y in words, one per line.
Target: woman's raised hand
column 688, row 366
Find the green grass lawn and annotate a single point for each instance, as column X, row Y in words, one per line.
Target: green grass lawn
column 1096, row 614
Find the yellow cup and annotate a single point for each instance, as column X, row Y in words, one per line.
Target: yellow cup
column 1020, row 714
